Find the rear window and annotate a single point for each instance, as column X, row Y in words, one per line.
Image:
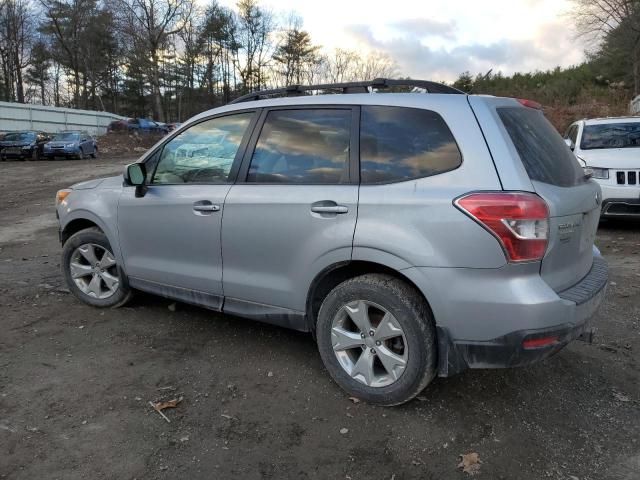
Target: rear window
column 611, row 135
column 398, row 143
column 544, row 154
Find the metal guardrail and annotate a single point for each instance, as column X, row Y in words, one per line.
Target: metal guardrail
column 18, row 116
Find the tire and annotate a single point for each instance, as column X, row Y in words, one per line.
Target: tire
column 409, row 312
column 81, row 154
column 95, row 152
column 70, row 253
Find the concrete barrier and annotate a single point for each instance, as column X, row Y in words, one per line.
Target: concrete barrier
column 18, row 116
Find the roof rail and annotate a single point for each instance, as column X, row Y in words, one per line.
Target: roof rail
column 348, row 87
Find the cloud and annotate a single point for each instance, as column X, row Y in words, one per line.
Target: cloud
column 550, row 46
column 425, row 27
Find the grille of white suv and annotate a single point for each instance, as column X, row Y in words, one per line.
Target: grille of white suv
column 627, row 177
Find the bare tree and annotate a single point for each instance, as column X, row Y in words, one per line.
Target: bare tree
column 17, row 30
column 255, row 26
column 149, row 24
column 347, row 66
column 600, row 20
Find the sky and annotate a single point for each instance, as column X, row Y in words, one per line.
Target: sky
column 439, row 39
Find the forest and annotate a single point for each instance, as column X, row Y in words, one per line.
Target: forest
column 167, row 59
column 170, row 59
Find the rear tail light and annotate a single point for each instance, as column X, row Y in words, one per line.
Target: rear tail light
column 529, row 103
column 519, row 221
column 540, row 342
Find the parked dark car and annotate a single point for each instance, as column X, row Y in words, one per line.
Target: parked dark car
column 23, row 145
column 72, row 143
column 118, row 126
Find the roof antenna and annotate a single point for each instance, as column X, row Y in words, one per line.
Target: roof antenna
column 484, row 77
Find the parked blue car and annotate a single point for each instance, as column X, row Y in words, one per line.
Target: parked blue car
column 144, row 125
column 71, row 144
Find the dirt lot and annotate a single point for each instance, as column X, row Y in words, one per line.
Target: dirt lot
column 75, row 383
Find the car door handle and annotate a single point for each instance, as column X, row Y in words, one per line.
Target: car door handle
column 330, row 209
column 205, row 207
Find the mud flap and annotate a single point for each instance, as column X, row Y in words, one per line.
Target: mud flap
column 587, row 336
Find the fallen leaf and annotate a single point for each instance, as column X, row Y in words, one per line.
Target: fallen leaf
column 168, row 404
column 621, row 397
column 470, row 463
column 354, row 399
column 344, row 431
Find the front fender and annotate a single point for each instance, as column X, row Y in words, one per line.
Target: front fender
column 99, row 206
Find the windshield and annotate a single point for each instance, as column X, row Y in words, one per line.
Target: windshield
column 20, row 137
column 67, row 136
column 611, row 135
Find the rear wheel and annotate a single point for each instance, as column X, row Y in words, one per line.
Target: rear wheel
column 91, row 270
column 376, row 336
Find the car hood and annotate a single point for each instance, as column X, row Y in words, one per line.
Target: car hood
column 107, row 182
column 611, row 157
column 60, row 143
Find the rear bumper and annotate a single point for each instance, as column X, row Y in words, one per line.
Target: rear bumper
column 493, row 334
column 509, row 350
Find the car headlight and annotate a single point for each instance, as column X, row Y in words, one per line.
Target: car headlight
column 27, row 147
column 601, row 173
column 61, row 195
column 70, row 145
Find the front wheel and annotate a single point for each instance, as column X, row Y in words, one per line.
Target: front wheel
column 377, row 339
column 91, row 271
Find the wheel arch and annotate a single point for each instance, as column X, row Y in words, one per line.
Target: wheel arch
column 80, row 219
column 337, row 273
column 76, row 225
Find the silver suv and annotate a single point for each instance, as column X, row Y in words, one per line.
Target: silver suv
column 413, row 234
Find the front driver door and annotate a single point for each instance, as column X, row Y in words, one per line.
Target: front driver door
column 170, row 237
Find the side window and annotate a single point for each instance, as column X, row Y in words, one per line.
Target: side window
column 572, row 133
column 303, row 146
column 204, row 153
column 398, row 143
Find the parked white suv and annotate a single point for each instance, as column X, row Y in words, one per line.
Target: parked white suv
column 610, row 148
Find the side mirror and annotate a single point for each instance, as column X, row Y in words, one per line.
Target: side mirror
column 570, row 143
column 135, row 175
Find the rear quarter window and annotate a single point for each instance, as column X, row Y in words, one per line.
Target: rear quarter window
column 400, row 143
column 543, row 153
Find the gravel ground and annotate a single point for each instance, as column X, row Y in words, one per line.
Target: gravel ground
column 75, row 383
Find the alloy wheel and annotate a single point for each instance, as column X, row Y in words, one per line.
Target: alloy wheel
column 94, row 270
column 369, row 343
